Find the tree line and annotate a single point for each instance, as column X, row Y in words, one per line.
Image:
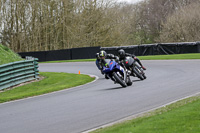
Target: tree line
column 42, row 25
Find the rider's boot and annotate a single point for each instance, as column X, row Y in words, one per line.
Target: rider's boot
column 144, row 68
column 106, row 76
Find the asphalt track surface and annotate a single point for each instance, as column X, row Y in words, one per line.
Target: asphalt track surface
column 101, row 102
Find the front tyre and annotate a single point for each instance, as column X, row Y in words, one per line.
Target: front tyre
column 137, row 70
column 129, row 82
column 119, row 80
column 144, row 76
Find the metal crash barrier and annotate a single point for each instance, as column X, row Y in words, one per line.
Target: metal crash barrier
column 15, row 73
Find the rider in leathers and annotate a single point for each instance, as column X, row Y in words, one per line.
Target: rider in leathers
column 122, row 55
column 100, row 61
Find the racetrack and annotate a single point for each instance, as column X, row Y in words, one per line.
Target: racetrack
column 101, row 102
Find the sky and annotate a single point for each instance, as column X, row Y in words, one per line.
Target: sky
column 129, row 1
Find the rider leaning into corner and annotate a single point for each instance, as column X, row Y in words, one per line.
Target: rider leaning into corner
column 122, row 55
column 100, row 61
column 102, row 55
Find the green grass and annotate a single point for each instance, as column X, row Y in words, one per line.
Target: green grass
column 81, row 60
column 153, row 57
column 51, row 82
column 180, row 117
column 7, row 55
column 171, row 57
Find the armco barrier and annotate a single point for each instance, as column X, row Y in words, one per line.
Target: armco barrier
column 15, row 73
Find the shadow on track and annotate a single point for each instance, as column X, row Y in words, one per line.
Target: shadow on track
column 136, row 80
column 115, row 88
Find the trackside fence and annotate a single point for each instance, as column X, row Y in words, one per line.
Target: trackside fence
column 157, row 49
column 15, row 73
column 138, row 50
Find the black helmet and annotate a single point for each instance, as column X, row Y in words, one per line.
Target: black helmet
column 121, row 53
column 102, row 53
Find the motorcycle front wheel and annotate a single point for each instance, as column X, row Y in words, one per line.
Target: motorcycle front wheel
column 119, row 80
column 129, row 82
column 137, row 70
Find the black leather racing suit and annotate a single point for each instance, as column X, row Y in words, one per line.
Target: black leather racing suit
column 133, row 56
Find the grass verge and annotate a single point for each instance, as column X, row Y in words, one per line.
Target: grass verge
column 153, row 57
column 171, row 57
column 7, row 55
column 81, row 60
column 52, row 82
column 179, row 117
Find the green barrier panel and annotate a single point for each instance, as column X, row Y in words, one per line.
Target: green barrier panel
column 15, row 73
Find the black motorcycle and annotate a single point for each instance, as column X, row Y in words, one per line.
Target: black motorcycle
column 134, row 67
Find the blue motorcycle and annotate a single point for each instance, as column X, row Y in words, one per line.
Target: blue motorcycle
column 117, row 73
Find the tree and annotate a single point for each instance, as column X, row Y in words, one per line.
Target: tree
column 183, row 25
column 37, row 25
